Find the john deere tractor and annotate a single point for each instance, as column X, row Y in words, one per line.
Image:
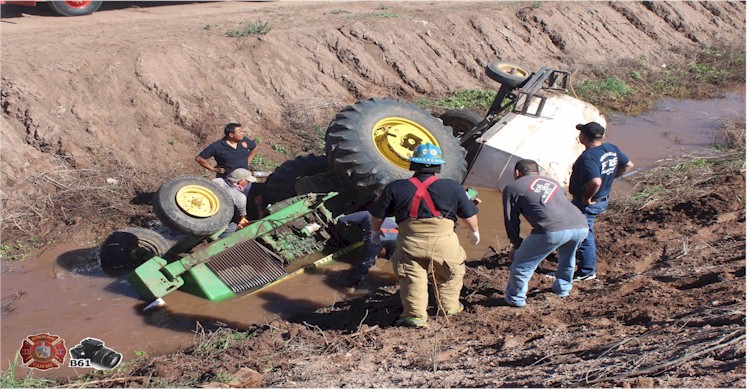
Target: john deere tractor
column 368, row 145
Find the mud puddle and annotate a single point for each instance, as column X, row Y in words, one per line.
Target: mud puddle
column 62, row 291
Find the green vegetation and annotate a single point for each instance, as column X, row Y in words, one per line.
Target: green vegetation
column 172, row 141
column 263, row 163
column 18, row 250
column 339, row 11
column 610, row 88
column 633, row 85
column 468, row 99
column 140, row 353
column 382, row 15
column 536, row 4
column 250, row 28
column 280, row 149
column 222, row 340
column 8, row 379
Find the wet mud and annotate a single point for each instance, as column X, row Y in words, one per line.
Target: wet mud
column 61, row 290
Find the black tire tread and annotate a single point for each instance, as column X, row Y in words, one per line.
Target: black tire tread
column 280, row 183
column 356, row 159
column 119, row 252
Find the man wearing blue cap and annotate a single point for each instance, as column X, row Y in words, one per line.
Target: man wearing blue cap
column 426, row 210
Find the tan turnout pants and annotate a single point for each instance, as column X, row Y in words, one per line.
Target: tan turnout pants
column 419, row 242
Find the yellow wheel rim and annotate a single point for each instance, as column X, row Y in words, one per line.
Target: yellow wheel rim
column 513, row 70
column 197, row 201
column 396, row 138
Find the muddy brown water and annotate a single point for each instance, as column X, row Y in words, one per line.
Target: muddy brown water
column 61, row 290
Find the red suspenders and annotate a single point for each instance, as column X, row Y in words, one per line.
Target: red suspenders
column 422, row 194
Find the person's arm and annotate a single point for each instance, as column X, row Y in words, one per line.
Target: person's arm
column 205, row 164
column 376, row 233
column 512, row 219
column 624, row 168
column 376, row 223
column 251, row 156
column 591, row 188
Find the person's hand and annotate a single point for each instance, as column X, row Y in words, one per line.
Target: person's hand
column 474, row 237
column 376, row 235
column 219, row 170
column 243, row 222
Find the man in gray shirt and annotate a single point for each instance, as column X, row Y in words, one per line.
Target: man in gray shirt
column 556, row 224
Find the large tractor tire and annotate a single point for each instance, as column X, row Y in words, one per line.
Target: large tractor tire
column 128, row 248
column 369, row 144
column 74, row 8
column 509, row 75
column 280, row 184
column 193, row 205
column 461, row 121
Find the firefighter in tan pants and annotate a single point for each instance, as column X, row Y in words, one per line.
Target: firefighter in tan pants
column 426, row 209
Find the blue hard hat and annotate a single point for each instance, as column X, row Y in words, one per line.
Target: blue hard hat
column 427, row 154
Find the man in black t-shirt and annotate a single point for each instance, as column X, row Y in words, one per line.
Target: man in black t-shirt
column 426, row 210
column 231, row 152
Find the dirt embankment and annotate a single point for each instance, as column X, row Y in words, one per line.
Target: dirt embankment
column 132, row 94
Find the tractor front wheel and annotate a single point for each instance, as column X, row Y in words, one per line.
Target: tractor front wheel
column 193, row 205
column 509, row 75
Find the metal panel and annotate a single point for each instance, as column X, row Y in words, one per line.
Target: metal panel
column 245, row 266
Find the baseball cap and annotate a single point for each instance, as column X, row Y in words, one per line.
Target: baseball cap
column 591, row 129
column 242, row 174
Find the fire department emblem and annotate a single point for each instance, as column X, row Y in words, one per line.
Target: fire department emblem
column 43, row 351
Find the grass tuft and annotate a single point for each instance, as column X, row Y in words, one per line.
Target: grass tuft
column 250, row 28
column 468, row 99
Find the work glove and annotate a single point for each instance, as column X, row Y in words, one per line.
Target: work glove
column 474, row 237
column 375, row 236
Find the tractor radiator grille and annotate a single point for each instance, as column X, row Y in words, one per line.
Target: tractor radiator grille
column 245, row 266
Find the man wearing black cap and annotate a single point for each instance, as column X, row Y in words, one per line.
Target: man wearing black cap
column 590, row 182
column 231, row 152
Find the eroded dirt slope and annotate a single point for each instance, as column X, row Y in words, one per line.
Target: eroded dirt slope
column 133, row 94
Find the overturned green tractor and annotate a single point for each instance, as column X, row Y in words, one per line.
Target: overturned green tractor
column 368, row 145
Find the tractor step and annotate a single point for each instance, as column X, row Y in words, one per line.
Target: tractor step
column 245, row 266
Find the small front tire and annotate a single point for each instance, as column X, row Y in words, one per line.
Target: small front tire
column 509, row 75
column 128, row 248
column 193, row 205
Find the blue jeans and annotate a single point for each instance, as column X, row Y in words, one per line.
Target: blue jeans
column 371, row 249
column 586, row 254
column 534, row 249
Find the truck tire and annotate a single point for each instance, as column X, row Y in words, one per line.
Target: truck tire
column 74, row 8
column 193, row 205
column 461, row 121
column 128, row 248
column 280, row 184
column 509, row 75
column 369, row 144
